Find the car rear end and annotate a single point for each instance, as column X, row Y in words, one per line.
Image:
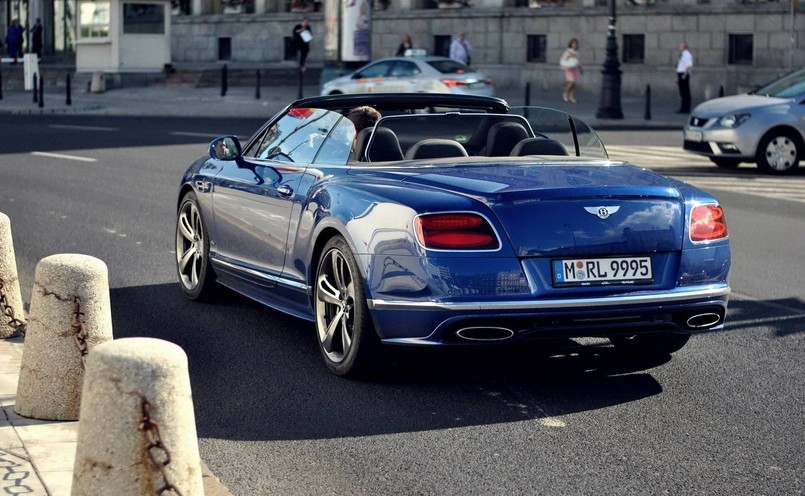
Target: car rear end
column 572, row 250
column 450, row 76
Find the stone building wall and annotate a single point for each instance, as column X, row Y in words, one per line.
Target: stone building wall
column 500, row 39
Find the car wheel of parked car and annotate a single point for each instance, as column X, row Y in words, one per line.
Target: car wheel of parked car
column 726, row 163
column 347, row 338
column 192, row 251
column 778, row 152
column 650, row 344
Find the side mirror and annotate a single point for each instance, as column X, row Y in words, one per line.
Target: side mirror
column 225, row 148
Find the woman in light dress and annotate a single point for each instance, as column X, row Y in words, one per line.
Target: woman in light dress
column 570, row 63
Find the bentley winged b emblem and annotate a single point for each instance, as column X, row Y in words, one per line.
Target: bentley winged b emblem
column 602, row 212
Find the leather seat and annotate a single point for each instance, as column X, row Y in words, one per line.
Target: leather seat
column 538, row 146
column 503, row 137
column 435, row 148
column 384, row 146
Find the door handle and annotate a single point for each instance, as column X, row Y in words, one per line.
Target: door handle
column 285, row 190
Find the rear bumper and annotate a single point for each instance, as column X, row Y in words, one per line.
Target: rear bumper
column 682, row 310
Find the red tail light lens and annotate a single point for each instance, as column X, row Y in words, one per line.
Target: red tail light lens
column 452, row 83
column 459, row 231
column 707, row 223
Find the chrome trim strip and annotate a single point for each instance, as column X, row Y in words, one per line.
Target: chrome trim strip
column 261, row 275
column 708, row 292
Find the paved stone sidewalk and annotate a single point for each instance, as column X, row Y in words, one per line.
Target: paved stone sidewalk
column 37, row 456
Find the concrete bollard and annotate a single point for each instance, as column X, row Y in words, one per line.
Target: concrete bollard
column 137, row 432
column 11, row 310
column 70, row 314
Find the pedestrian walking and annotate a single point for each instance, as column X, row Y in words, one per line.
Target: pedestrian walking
column 570, row 63
column 406, row 44
column 14, row 39
column 36, row 38
column 683, row 67
column 460, row 49
column 302, row 36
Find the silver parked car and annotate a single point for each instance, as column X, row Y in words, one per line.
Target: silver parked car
column 428, row 74
column 765, row 126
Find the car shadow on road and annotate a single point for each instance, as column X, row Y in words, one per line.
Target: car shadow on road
column 784, row 316
column 257, row 375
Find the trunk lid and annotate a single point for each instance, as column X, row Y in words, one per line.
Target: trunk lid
column 563, row 209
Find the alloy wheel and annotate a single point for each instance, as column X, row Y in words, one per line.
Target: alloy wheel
column 335, row 302
column 190, row 245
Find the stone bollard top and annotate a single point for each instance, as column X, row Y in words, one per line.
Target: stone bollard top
column 138, row 352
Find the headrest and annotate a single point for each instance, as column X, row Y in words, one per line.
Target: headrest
column 359, row 153
column 435, row 148
column 384, row 146
column 538, row 146
column 502, row 138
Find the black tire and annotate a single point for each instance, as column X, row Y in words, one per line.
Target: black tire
column 650, row 344
column 778, row 152
column 344, row 330
column 726, row 163
column 196, row 275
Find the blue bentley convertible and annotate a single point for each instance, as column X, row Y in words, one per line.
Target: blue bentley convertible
column 454, row 221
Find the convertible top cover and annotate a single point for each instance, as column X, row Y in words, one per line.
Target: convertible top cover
column 405, row 101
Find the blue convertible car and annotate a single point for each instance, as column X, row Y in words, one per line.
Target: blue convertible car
column 454, row 221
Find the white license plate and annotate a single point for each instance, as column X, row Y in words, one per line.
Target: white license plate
column 693, row 135
column 602, row 271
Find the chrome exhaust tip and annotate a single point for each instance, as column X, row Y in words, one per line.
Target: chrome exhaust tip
column 703, row 320
column 485, row 333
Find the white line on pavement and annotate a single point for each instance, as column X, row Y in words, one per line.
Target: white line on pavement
column 83, row 128
column 194, row 135
column 65, row 157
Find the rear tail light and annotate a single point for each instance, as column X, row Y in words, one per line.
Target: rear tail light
column 707, row 223
column 490, row 82
column 452, row 83
column 455, row 231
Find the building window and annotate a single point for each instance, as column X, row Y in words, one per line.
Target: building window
column 634, row 48
column 535, row 47
column 441, row 45
column 143, row 18
column 224, row 48
column 290, row 49
column 740, row 49
column 93, row 20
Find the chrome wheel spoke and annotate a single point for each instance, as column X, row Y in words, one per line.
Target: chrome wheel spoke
column 346, row 336
column 194, row 271
column 338, row 263
column 185, row 228
column 186, row 258
column 327, row 293
column 327, row 340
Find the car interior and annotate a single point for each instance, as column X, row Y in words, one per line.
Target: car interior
column 451, row 135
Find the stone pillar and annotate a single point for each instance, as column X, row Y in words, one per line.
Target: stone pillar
column 70, row 315
column 137, row 432
column 11, row 310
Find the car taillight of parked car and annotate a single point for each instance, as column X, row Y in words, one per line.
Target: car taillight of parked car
column 455, row 231
column 452, row 83
column 707, row 223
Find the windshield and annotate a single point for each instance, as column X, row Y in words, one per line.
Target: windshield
column 789, row 86
column 450, row 67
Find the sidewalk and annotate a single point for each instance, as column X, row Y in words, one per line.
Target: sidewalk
column 160, row 100
column 37, row 456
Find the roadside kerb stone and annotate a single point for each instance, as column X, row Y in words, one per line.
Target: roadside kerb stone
column 137, row 429
column 70, row 315
column 11, row 309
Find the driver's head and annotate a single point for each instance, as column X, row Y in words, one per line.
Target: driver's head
column 363, row 117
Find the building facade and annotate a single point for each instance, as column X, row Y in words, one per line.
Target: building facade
column 736, row 44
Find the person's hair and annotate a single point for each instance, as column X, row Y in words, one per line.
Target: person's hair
column 570, row 43
column 363, row 117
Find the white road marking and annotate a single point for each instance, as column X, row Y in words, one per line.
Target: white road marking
column 662, row 158
column 83, row 128
column 64, row 157
column 194, row 135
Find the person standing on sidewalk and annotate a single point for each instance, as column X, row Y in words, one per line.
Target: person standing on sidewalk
column 302, row 37
column 36, row 38
column 14, row 39
column 683, row 67
column 570, row 63
column 460, row 49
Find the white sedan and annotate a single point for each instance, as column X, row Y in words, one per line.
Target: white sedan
column 428, row 74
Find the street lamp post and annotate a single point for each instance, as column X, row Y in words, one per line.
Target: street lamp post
column 610, row 106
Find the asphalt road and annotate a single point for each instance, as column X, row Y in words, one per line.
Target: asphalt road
column 726, row 415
